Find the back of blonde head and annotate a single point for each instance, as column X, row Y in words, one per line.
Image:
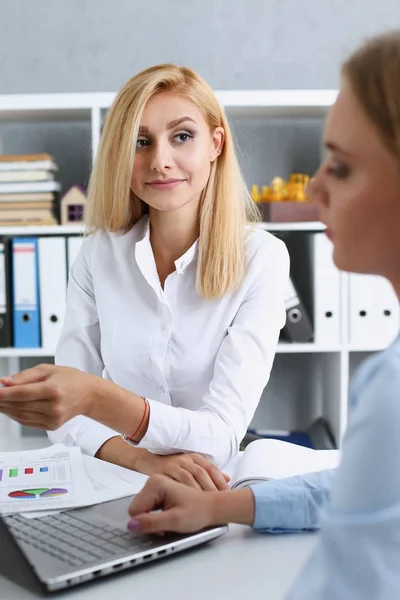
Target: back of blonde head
column 225, row 206
column 373, row 72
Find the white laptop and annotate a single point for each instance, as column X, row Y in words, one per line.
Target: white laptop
column 60, row 551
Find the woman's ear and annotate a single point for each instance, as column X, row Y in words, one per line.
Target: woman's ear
column 218, row 139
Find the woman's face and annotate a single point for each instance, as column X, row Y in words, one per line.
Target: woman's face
column 174, row 152
column 358, row 187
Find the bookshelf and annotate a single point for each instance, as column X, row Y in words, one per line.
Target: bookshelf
column 308, row 379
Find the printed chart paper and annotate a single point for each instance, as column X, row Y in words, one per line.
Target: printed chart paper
column 46, row 479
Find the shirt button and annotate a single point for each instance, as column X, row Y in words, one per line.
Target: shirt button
column 164, row 326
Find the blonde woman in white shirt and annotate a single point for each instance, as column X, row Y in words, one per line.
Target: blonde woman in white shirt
column 175, row 303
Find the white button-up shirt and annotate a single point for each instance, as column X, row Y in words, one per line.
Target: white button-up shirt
column 202, row 364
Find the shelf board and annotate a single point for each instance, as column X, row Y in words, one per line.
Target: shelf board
column 56, row 101
column 249, row 103
column 299, row 226
column 51, row 107
column 306, row 347
column 283, row 347
column 79, row 229
column 22, row 352
column 365, row 349
column 310, row 347
column 43, row 230
column 277, row 103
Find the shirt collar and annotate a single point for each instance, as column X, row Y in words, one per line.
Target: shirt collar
column 144, row 246
column 185, row 260
column 145, row 257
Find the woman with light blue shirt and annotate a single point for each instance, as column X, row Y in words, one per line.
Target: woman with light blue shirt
column 358, row 188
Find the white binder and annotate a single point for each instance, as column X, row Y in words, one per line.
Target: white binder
column 326, row 293
column 52, row 288
column 74, row 244
column 373, row 312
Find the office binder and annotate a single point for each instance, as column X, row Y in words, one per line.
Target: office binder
column 298, row 327
column 52, row 288
column 74, row 244
column 25, row 293
column 5, row 294
column 326, row 293
column 318, row 435
column 373, row 312
column 387, row 313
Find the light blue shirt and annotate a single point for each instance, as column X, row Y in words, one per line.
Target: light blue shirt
column 358, row 554
column 292, row 504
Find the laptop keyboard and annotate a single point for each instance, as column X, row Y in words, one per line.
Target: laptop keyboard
column 75, row 541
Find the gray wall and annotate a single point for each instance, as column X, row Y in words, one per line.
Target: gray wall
column 95, row 45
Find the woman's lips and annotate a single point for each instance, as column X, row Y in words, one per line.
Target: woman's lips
column 168, row 184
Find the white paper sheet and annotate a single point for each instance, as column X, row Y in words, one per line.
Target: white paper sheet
column 49, row 478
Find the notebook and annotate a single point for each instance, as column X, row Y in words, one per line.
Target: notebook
column 268, row 459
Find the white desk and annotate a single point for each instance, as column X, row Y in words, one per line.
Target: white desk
column 241, row 564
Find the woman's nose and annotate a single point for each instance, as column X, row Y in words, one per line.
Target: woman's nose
column 161, row 158
column 314, row 190
column 309, row 189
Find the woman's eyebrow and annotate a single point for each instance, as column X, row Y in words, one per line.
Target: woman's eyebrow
column 144, row 129
column 333, row 147
column 179, row 121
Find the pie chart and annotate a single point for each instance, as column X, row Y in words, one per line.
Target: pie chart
column 37, row 493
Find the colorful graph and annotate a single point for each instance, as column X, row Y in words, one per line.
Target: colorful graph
column 38, row 493
column 15, row 472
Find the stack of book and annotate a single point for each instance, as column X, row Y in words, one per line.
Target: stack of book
column 28, row 190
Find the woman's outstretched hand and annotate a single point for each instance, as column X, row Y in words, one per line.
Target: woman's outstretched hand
column 47, row 396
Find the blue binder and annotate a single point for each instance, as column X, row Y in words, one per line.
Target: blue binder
column 25, row 293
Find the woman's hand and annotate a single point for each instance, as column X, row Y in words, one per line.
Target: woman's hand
column 191, row 469
column 185, row 509
column 47, row 396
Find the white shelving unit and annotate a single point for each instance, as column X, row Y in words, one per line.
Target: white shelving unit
column 328, row 368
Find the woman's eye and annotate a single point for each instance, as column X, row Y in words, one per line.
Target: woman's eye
column 141, row 143
column 340, row 170
column 183, row 137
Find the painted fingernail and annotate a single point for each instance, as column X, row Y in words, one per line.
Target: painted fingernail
column 134, row 525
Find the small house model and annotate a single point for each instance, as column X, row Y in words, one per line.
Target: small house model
column 73, row 204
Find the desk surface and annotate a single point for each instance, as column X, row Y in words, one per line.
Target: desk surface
column 241, row 564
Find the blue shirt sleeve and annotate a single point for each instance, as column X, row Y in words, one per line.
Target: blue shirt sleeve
column 291, row 504
column 358, row 554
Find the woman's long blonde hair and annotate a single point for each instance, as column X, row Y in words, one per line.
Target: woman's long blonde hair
column 373, row 72
column 225, row 207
